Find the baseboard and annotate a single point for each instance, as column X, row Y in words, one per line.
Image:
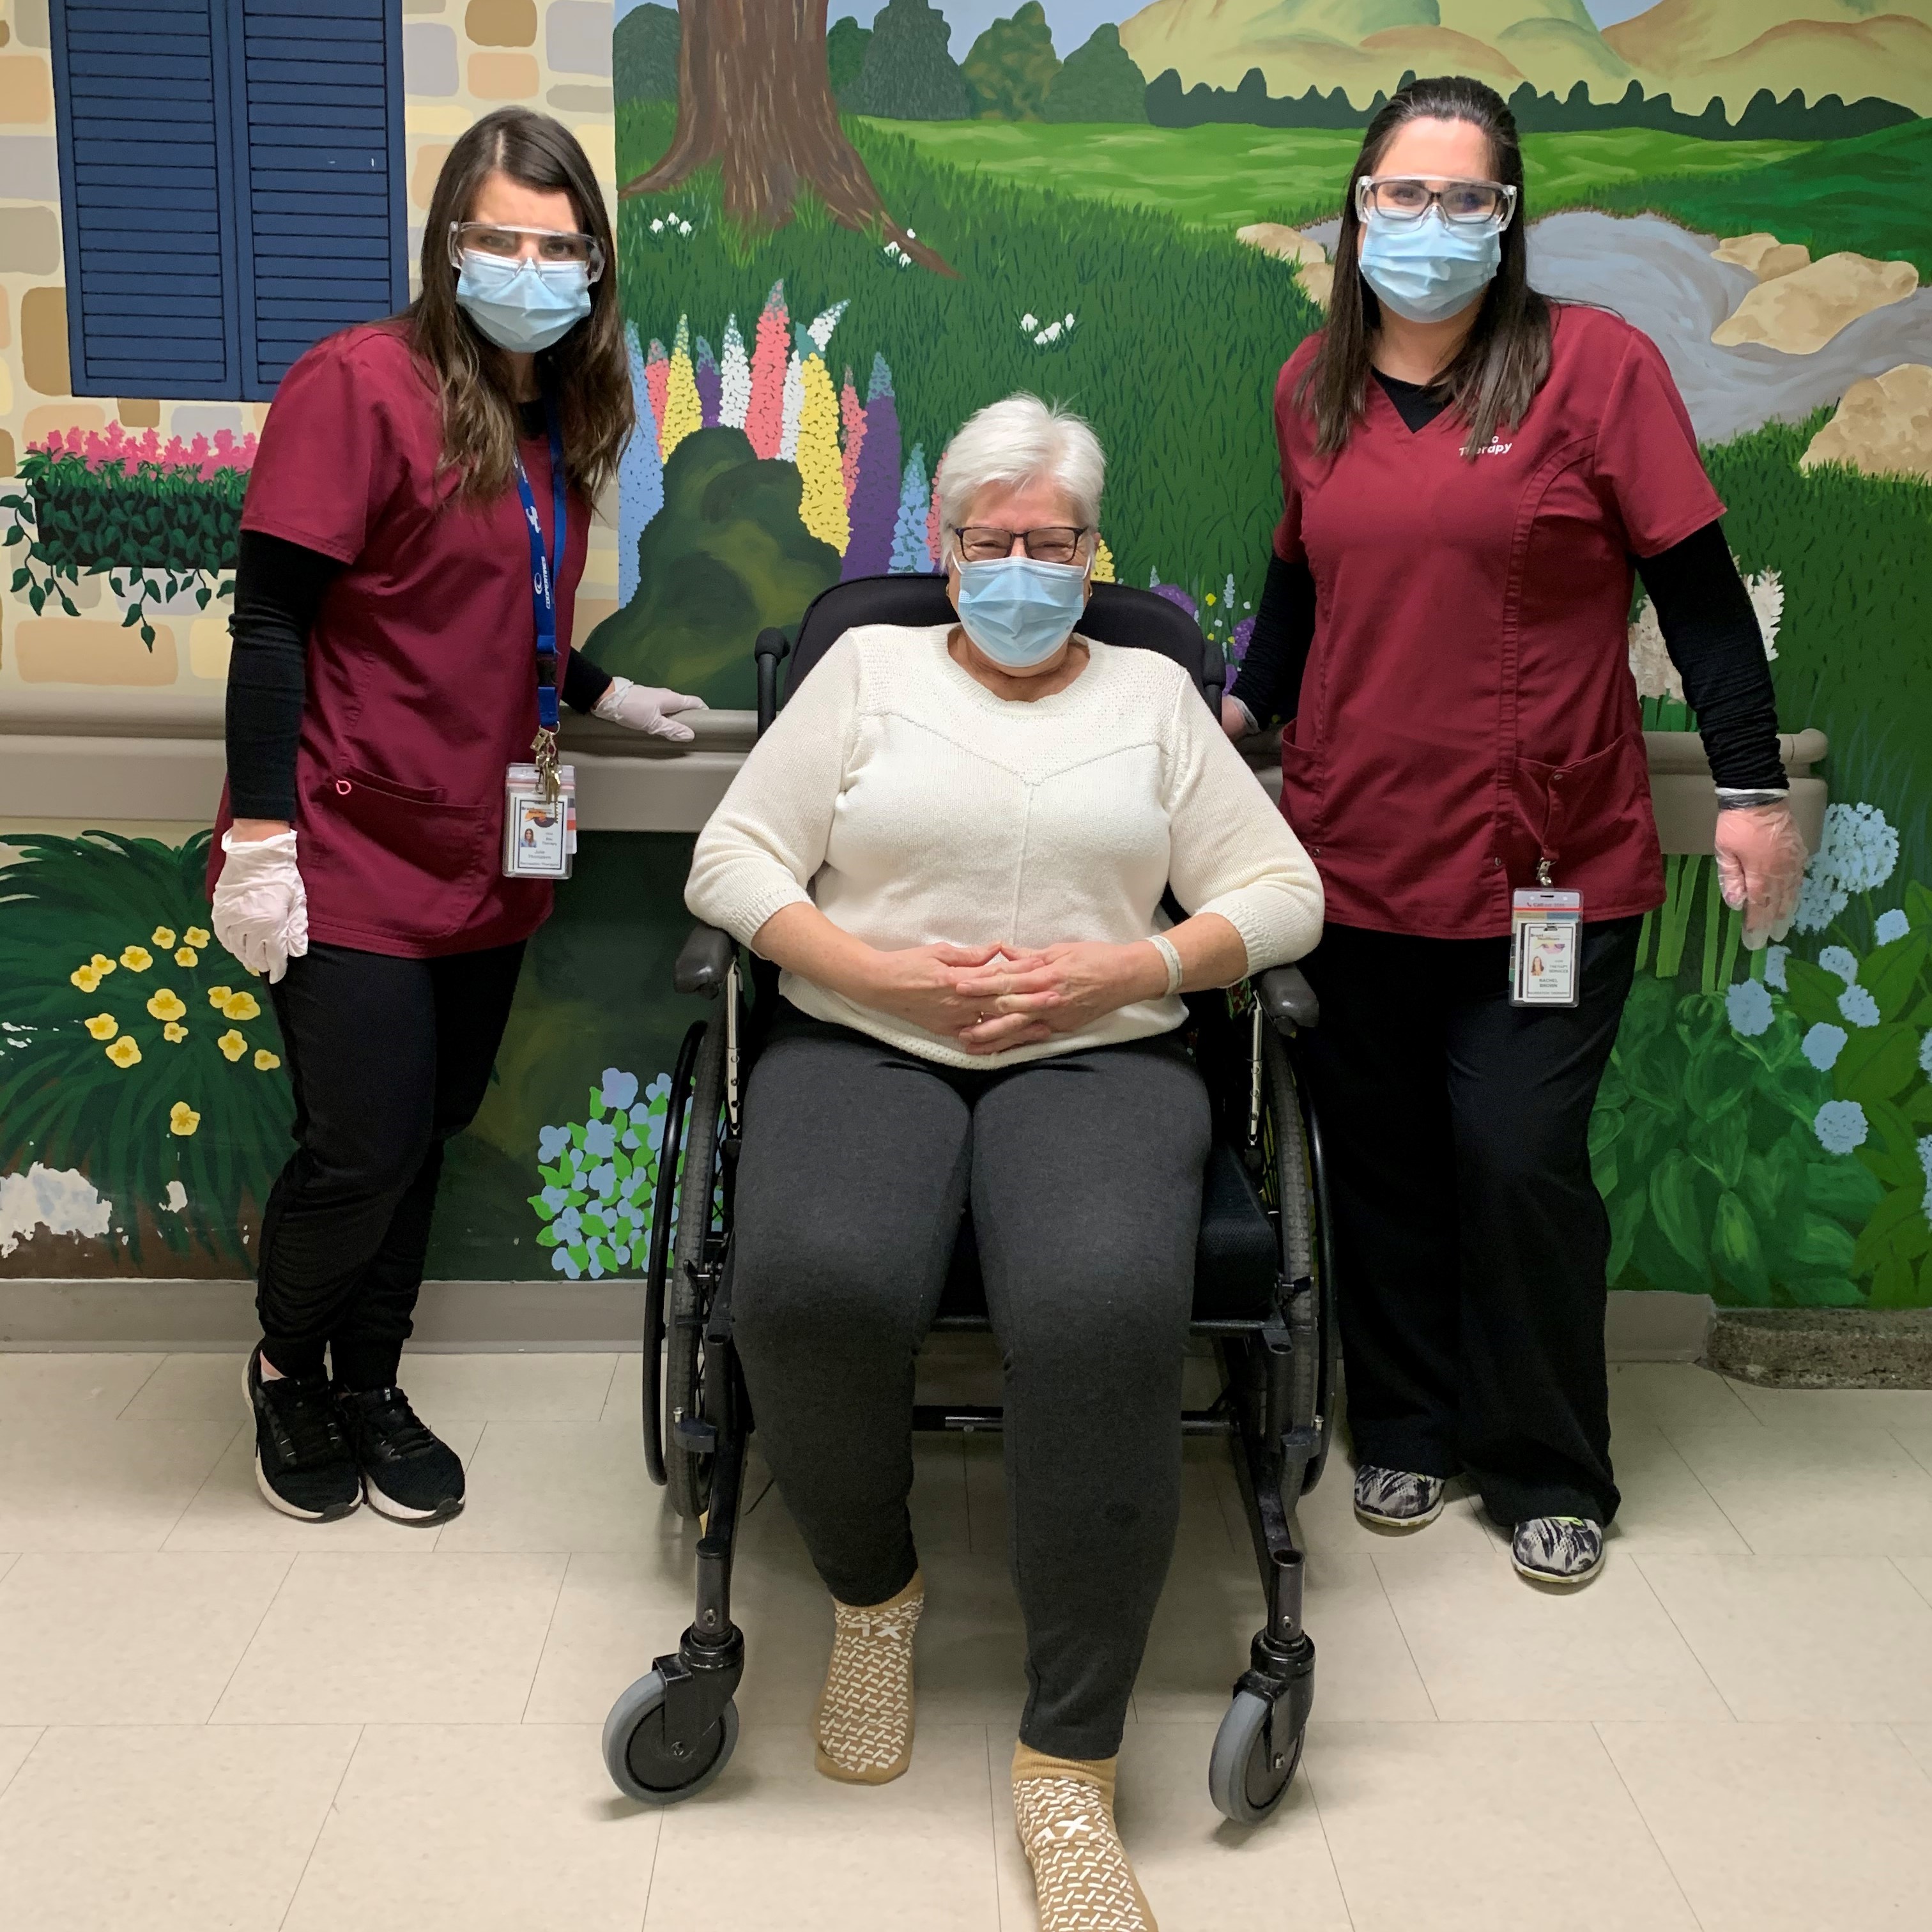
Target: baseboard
column 546, row 1317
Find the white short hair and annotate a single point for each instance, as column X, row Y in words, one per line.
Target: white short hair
column 1019, row 441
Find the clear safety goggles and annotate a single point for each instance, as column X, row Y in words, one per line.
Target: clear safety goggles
column 548, row 247
column 1465, row 204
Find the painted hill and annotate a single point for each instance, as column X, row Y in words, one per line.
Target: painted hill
column 1732, row 48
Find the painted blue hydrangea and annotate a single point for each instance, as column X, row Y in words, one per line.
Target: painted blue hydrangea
column 1823, row 1044
column 551, row 1142
column 1859, row 848
column 1858, row 1007
column 1925, row 1055
column 1749, row 1005
column 1819, row 899
column 1841, row 1126
column 1842, row 961
column 618, row 1090
column 1774, row 957
column 1891, row 925
column 1925, row 1162
column 599, row 1176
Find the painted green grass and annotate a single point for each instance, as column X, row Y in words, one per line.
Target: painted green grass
column 1867, row 195
column 1226, row 176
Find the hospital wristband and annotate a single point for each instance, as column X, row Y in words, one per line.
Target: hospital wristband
column 1166, row 948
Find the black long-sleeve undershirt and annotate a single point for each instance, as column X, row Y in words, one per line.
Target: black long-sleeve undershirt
column 1703, row 611
column 279, row 587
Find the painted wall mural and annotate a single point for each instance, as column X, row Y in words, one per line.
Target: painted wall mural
column 843, row 228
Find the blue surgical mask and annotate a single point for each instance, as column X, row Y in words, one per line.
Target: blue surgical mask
column 1018, row 612
column 1428, row 270
column 520, row 305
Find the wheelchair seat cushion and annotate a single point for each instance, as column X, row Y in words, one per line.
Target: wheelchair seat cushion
column 1237, row 1256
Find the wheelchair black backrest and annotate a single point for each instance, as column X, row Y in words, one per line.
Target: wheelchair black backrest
column 1118, row 614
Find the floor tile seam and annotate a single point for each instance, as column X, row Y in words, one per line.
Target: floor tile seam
column 1401, row 1630
column 550, row 1625
column 610, row 1383
column 1327, row 1843
column 241, row 1655
column 1642, row 1818
column 1706, row 1488
column 40, row 1734
column 327, row 1813
column 993, row 1830
column 214, row 1470
column 1897, row 1438
column 1917, row 1589
column 1683, row 1637
column 159, row 1360
column 1925, row 1768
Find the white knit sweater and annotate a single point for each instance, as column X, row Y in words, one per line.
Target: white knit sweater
column 912, row 806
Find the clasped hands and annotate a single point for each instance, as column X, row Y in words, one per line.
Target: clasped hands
column 990, row 1000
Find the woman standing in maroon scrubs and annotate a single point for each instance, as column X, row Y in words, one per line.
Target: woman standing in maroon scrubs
column 1471, row 476
column 385, row 675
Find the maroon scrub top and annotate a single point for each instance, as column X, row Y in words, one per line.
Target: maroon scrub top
column 1468, row 707
column 422, row 660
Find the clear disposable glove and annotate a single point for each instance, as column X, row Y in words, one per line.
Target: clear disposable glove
column 1760, row 867
column 648, row 708
column 261, row 908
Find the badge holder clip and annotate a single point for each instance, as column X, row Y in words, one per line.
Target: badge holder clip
column 1545, row 944
column 539, row 820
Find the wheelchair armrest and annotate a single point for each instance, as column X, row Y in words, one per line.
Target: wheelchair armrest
column 703, row 961
column 1287, row 998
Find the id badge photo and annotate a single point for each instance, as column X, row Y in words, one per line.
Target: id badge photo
column 1546, row 947
column 539, row 832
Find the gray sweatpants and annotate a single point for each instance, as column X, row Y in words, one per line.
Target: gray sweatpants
column 1084, row 1174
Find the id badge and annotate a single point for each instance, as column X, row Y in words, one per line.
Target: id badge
column 539, row 833
column 1546, row 947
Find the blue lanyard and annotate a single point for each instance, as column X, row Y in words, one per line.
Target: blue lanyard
column 543, row 569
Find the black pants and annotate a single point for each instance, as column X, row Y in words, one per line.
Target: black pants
column 1471, row 1239
column 389, row 1058
column 1084, row 1175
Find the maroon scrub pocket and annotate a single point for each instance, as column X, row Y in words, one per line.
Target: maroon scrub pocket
column 1578, row 813
column 409, row 848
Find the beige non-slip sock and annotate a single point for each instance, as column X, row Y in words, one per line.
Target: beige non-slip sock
column 1064, row 1809
column 864, row 1718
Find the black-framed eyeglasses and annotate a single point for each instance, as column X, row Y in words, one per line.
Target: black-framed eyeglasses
column 1051, row 543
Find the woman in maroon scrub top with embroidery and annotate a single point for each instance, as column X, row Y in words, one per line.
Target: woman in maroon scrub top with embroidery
column 384, row 676
column 1470, row 476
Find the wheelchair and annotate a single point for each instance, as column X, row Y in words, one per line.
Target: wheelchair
column 1264, row 1291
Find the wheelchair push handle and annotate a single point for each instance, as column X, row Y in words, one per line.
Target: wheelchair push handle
column 771, row 650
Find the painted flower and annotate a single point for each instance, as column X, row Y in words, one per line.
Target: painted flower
column 165, row 1005
column 1925, row 1162
column 266, row 1062
column 1820, row 901
column 604, row 1181
column 219, row 996
column 102, row 965
column 1925, row 1055
column 137, row 959
column 1749, row 1005
column 551, row 1142
column 1823, row 1044
column 186, row 955
column 241, row 1006
column 232, row 1045
column 103, row 1026
column 1841, row 1126
column 1774, row 957
column 85, row 977
column 1859, row 848
column 1858, row 1007
column 570, row 1222
column 600, row 1139
column 196, row 935
column 163, row 936
column 182, row 1119
column 618, row 1090
column 560, row 1260
column 1891, row 925
column 124, row 1053
column 1840, row 960
column 553, row 1198
column 174, row 1033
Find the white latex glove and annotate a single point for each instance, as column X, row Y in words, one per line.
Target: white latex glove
column 1760, row 867
column 647, row 707
column 261, row 907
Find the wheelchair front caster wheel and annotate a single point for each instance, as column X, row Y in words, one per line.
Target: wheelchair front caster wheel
column 1253, row 1762
column 645, row 1764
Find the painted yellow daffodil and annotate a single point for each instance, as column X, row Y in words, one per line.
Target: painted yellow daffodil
column 124, row 1053
column 137, row 959
column 174, row 1033
column 218, row 996
column 182, row 1119
column 102, row 965
column 232, row 1044
column 196, row 935
column 85, row 977
column 103, row 1026
column 186, row 955
column 163, row 936
column 165, row 1005
column 266, row 1062
column 241, row 1006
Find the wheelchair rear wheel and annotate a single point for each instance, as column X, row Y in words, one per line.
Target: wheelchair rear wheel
column 694, row 1249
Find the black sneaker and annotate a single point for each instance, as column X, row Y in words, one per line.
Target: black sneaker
column 304, row 1466
column 408, row 1472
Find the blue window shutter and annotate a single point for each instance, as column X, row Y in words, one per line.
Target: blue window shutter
column 322, row 225
column 146, row 172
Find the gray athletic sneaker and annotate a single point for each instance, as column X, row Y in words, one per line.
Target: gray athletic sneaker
column 1397, row 1498
column 1557, row 1549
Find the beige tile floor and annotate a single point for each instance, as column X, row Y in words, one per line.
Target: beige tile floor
column 211, row 1718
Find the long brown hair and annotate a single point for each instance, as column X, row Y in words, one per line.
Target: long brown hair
column 1505, row 358
column 588, row 370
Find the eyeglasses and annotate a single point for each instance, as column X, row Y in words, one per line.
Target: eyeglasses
column 552, row 245
column 1465, row 204
column 1054, row 543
